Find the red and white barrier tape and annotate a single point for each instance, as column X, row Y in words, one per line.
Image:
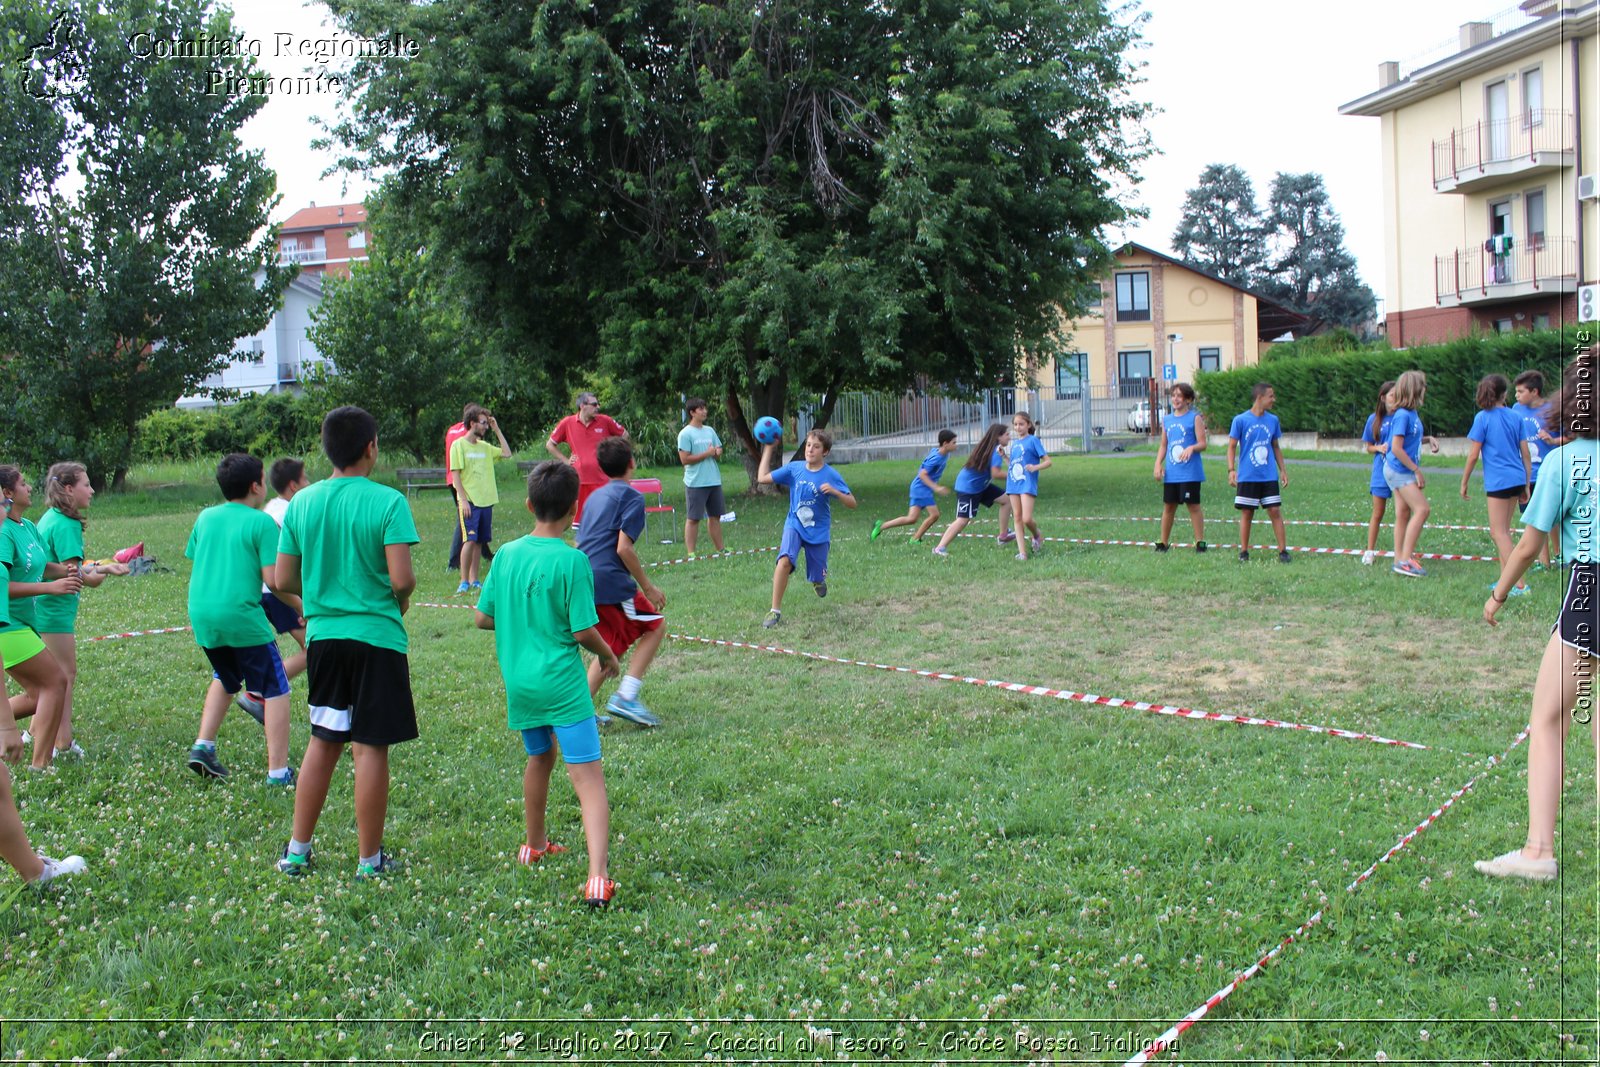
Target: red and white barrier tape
column 1230, row 518
column 427, row 604
column 139, row 633
column 1256, row 548
column 1160, row 1044
column 711, row 555
column 1062, row 694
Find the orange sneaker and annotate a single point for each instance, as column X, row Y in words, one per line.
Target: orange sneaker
column 597, row 892
column 528, row 855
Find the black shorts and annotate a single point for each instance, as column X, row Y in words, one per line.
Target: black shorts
column 705, row 502
column 281, row 615
column 1180, row 492
column 1580, row 611
column 967, row 504
column 359, row 692
column 1251, row 495
column 1514, row 493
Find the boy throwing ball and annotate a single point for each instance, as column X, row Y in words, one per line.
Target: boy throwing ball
column 812, row 484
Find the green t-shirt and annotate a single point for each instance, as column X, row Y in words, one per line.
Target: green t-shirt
column 541, row 592
column 339, row 527
column 229, row 544
column 475, row 461
column 6, row 623
column 26, row 552
column 63, row 542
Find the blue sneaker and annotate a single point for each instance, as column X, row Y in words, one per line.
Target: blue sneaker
column 632, row 710
column 385, row 866
column 292, row 865
column 464, row 587
column 286, row 782
column 476, row 586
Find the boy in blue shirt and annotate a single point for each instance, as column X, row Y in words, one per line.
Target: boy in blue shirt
column 1178, row 466
column 1256, row 469
column 923, row 486
column 627, row 602
column 811, row 483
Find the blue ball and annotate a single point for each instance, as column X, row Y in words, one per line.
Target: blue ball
column 768, row 430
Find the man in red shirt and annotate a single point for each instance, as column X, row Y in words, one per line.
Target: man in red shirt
column 582, row 434
column 468, row 415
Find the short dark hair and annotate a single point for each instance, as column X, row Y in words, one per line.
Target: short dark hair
column 614, row 454
column 1532, row 379
column 470, row 413
column 552, row 490
column 1259, row 390
column 1183, row 389
column 946, row 436
column 1491, row 390
column 285, row 472
column 346, row 433
column 694, row 403
column 236, row 474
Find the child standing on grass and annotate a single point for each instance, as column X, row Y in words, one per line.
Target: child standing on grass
column 288, row 477
column 56, row 618
column 1535, row 411
column 1375, row 439
column 234, row 546
column 811, row 483
column 627, row 602
column 472, row 465
column 345, row 549
column 975, row 486
column 540, row 602
column 30, row 664
column 1402, row 470
column 1565, row 687
column 1027, row 458
column 1256, row 469
column 923, row 486
column 33, row 867
column 1178, row 465
column 1497, row 435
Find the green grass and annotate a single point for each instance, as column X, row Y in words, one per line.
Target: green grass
column 882, row 855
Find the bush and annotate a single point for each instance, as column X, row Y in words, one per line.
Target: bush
column 1333, row 394
column 264, row 425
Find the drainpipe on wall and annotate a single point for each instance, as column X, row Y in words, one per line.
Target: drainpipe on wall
column 1577, row 149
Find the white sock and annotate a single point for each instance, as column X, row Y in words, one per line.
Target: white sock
column 371, row 861
column 280, row 772
column 199, row 742
column 629, row 689
column 299, row 848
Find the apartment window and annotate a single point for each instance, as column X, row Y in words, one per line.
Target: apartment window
column 1211, row 359
column 1133, row 372
column 1503, row 325
column 1133, row 297
column 358, row 238
column 1541, row 321
column 1533, row 210
column 1532, row 97
column 1072, row 373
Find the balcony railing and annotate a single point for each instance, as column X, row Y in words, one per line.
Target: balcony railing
column 1467, row 275
column 302, row 255
column 1486, row 150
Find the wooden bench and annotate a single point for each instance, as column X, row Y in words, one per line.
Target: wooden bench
column 414, row 478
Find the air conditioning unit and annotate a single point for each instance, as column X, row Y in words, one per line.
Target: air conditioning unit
column 1589, row 303
column 1589, row 186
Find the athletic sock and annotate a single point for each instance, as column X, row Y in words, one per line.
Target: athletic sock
column 629, row 689
column 209, row 746
column 280, row 773
column 299, row 848
column 371, row 861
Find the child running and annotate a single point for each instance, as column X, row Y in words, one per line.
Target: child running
column 1256, row 469
column 1375, row 439
column 811, row 482
column 923, row 486
column 33, row 867
column 540, row 602
column 346, row 549
column 288, row 477
column 627, row 602
column 234, row 546
column 1027, row 458
column 1531, row 405
column 1564, row 688
column 975, row 484
column 30, row 578
column 1402, row 470
column 1178, row 465
column 1497, row 436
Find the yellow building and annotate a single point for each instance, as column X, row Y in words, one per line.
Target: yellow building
column 1154, row 310
column 1490, row 163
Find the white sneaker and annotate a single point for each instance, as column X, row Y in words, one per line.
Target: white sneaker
column 1367, row 557
column 1513, row 865
column 27, row 738
column 54, row 869
column 72, row 751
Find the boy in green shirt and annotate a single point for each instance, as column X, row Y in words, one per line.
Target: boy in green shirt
column 539, row 601
column 234, row 546
column 345, row 549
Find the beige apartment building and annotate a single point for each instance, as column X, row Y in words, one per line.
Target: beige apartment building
column 1491, row 162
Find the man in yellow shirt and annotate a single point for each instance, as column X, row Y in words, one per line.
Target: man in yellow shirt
column 472, row 466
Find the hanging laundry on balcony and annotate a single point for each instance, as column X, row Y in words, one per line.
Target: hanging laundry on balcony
column 1498, row 244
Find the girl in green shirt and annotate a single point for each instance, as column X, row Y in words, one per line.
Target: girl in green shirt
column 26, row 658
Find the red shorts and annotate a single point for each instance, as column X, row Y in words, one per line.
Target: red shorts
column 623, row 624
column 585, row 491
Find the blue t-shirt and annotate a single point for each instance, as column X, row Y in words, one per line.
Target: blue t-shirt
column 1019, row 479
column 809, row 511
column 1380, row 438
column 1499, row 430
column 934, row 464
column 972, row 482
column 1406, row 425
column 1532, row 422
column 1181, row 435
column 1255, row 434
column 615, row 506
column 1567, row 494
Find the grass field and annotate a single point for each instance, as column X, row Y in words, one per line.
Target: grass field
column 824, row 861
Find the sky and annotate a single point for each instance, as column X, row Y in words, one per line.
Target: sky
column 1254, row 83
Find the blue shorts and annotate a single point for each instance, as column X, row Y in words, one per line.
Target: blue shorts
column 478, row 526
column 1382, row 492
column 257, row 668
column 580, row 742
column 1398, row 478
column 921, row 495
column 816, row 555
column 283, row 618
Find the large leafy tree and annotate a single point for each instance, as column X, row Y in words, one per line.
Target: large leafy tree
column 133, row 224
column 1310, row 269
column 756, row 197
column 1220, row 231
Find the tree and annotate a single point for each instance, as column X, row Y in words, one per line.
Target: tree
column 1311, row 272
column 1220, row 231
column 126, row 282
column 762, row 197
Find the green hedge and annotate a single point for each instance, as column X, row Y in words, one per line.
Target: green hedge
column 265, row 426
column 1334, row 394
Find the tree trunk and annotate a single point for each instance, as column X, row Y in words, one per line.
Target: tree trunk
column 771, row 398
column 119, row 481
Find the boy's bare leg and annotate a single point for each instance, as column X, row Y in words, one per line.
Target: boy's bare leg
column 644, row 652
column 311, row 791
column 14, row 847
column 905, row 520
column 1276, row 515
column 714, row 528
column 931, row 518
column 536, row 796
column 1169, row 512
column 1246, row 517
column 780, row 581
column 276, row 714
column 213, row 711
column 691, row 534
column 1197, row 521
column 589, row 782
column 372, row 795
